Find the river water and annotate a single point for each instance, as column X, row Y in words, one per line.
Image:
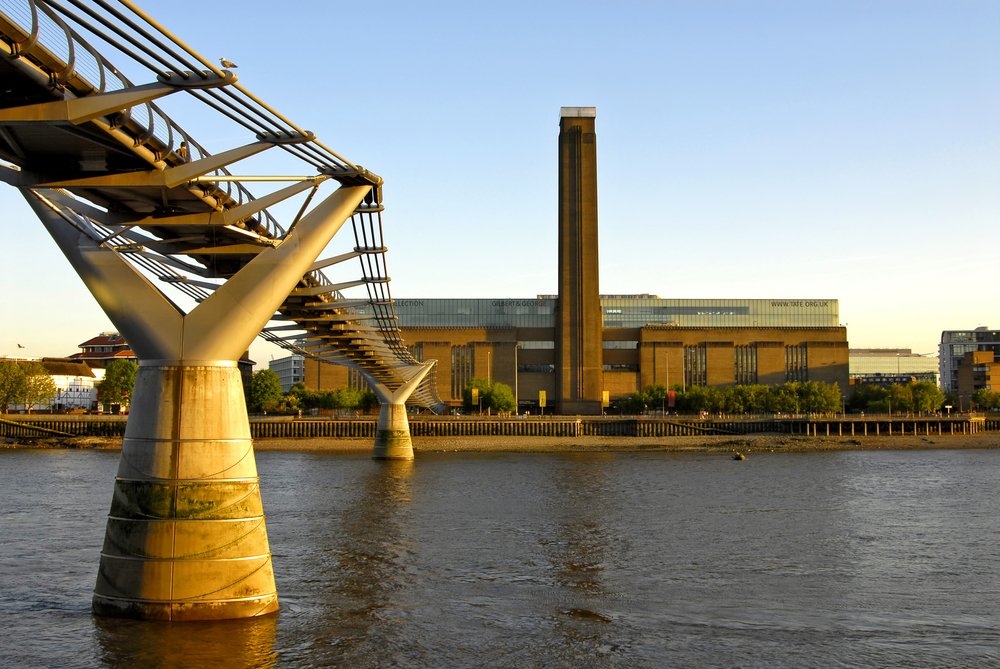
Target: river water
column 859, row 558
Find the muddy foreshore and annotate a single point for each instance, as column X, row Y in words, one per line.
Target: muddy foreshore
column 756, row 443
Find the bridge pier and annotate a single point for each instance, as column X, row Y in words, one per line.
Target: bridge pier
column 392, row 434
column 186, row 537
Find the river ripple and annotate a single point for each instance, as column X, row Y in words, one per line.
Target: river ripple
column 860, row 558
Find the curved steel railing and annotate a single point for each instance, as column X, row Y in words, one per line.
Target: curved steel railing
column 48, row 33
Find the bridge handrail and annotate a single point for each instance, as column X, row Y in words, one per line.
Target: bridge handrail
column 47, row 39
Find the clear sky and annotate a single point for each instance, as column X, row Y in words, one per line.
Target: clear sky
column 747, row 149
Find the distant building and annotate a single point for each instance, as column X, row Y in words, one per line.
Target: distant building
column 75, row 383
column 577, row 349
column 105, row 348
column 888, row 366
column 101, row 350
column 645, row 340
column 290, row 370
column 977, row 370
column 956, row 343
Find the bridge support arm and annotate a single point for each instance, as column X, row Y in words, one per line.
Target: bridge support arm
column 392, row 434
column 186, row 536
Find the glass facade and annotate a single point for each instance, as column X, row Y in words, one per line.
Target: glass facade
column 956, row 343
column 620, row 311
column 745, row 364
column 476, row 312
column 797, row 363
column 463, row 362
column 696, row 365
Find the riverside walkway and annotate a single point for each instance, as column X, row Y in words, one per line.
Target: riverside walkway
column 289, row 427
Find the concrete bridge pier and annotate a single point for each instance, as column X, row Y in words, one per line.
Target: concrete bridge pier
column 392, row 434
column 186, row 537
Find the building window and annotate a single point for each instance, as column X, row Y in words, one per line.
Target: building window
column 745, row 364
column 620, row 345
column 796, row 363
column 696, row 365
column 536, row 369
column 463, row 361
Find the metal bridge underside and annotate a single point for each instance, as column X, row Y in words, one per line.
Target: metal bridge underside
column 93, row 145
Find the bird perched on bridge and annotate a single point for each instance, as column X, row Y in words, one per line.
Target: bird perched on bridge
column 228, row 64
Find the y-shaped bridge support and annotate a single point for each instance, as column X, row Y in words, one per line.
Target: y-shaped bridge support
column 186, row 538
column 392, row 435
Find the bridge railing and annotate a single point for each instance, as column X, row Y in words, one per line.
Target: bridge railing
column 47, row 39
column 47, row 35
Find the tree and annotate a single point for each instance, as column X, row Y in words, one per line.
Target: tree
column 483, row 388
column 11, row 382
column 785, row 398
column 502, row 398
column 26, row 383
column 987, row 400
column 901, row 397
column 118, row 383
column 928, row 398
column 818, row 397
column 868, row 397
column 265, row 391
column 497, row 396
column 38, row 386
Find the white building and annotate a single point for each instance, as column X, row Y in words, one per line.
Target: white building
column 75, row 383
column 290, row 370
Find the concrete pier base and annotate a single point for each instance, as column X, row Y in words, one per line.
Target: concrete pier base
column 186, row 537
column 392, row 435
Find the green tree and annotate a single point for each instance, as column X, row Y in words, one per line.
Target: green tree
column 785, row 398
column 38, row 386
column 633, row 403
column 118, row 383
column 11, row 383
column 483, row 388
column 496, row 396
column 987, row 400
column 265, row 391
column 901, row 397
column 928, row 398
column 367, row 400
column 818, row 397
column 502, row 398
column 868, row 397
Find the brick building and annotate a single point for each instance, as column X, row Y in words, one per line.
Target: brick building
column 579, row 345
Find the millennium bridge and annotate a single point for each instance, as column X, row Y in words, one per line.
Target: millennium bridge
column 191, row 266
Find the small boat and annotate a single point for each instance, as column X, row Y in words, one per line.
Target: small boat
column 739, row 456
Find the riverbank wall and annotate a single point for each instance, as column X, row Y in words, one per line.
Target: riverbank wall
column 28, row 426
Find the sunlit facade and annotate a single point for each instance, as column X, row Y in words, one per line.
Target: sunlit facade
column 577, row 351
column 956, row 343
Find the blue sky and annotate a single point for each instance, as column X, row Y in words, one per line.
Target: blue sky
column 808, row 149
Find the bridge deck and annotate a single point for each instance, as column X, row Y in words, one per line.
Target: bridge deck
column 76, row 130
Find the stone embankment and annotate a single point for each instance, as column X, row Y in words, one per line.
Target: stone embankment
column 748, row 444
